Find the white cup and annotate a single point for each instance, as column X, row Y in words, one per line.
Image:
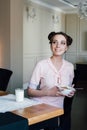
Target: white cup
column 19, row 93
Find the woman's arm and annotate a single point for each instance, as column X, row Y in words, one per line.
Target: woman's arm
column 36, row 93
column 43, row 92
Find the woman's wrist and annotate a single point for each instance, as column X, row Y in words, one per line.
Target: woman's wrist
column 44, row 92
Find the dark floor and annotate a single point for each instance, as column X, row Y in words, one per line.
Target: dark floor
column 79, row 110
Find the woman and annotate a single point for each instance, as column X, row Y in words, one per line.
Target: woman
column 52, row 73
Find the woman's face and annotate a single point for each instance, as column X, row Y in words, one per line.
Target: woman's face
column 59, row 45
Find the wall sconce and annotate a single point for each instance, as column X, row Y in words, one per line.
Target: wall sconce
column 82, row 10
column 31, row 12
column 55, row 18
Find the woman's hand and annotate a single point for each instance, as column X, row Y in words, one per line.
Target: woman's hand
column 59, row 92
column 72, row 93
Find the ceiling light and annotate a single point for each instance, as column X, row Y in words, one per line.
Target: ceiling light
column 80, row 5
column 82, row 10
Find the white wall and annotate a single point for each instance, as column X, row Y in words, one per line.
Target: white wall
column 5, row 34
column 16, row 43
column 35, row 36
column 77, row 28
column 11, row 40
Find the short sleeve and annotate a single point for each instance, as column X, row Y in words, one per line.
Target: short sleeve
column 36, row 76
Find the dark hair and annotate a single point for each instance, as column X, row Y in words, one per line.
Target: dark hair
column 68, row 38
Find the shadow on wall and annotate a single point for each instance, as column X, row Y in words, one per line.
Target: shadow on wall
column 84, row 41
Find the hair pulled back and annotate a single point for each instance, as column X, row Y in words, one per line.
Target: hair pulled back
column 69, row 40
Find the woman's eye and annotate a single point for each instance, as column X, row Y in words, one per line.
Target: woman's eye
column 63, row 43
column 54, row 42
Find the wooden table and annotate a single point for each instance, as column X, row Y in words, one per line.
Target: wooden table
column 2, row 93
column 38, row 113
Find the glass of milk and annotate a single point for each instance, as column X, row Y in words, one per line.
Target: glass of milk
column 19, row 93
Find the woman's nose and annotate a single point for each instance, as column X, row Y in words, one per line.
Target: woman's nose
column 57, row 44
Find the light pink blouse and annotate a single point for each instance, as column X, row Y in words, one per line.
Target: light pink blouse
column 46, row 75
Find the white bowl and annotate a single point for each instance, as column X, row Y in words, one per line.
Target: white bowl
column 67, row 90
